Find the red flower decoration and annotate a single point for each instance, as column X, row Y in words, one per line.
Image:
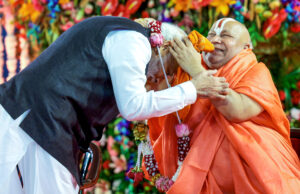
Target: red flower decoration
column 130, row 174
column 132, row 6
column 295, row 27
column 196, row 4
column 139, row 176
column 281, row 95
column 105, row 164
column 273, row 24
column 295, row 97
column 121, row 12
column 145, row 14
column 109, row 7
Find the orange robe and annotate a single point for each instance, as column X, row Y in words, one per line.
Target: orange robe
column 254, row 156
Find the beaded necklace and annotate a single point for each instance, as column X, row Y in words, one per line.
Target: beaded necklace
column 141, row 133
column 141, row 129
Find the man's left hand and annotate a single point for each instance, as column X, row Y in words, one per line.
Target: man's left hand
column 186, row 56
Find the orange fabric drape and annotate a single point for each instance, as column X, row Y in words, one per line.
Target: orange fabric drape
column 254, row 156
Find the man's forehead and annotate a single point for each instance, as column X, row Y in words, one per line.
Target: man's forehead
column 221, row 25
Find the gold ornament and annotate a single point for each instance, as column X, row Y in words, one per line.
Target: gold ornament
column 140, row 131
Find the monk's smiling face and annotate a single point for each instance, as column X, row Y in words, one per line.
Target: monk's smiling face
column 229, row 39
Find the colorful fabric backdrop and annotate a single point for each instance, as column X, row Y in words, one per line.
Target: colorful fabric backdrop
column 30, row 26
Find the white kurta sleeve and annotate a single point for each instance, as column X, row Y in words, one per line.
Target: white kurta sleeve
column 127, row 53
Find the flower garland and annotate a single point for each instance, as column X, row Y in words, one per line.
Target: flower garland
column 141, row 136
column 24, row 47
column 141, row 129
column 10, row 43
column 2, row 80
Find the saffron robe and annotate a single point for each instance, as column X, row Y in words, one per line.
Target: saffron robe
column 254, row 156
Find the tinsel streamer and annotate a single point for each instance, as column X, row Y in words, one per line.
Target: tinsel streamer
column 246, row 6
column 258, row 23
column 2, row 79
column 210, row 16
column 10, row 42
column 252, row 10
column 24, row 48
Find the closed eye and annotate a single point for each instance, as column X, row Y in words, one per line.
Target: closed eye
column 226, row 35
column 211, row 34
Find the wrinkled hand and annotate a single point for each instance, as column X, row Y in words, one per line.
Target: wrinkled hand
column 208, row 86
column 186, row 56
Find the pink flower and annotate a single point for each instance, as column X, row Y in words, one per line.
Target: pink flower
column 119, row 164
column 182, row 130
column 68, row 6
column 156, row 39
column 110, row 143
column 37, row 6
column 163, row 184
column 66, row 26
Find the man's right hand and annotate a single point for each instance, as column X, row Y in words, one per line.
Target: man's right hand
column 211, row 87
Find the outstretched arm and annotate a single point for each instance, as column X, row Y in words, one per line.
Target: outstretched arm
column 234, row 106
column 126, row 54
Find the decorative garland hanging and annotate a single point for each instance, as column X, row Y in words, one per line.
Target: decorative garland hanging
column 2, row 79
column 141, row 130
column 10, row 42
column 24, row 47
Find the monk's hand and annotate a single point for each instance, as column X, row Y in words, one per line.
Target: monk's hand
column 186, row 56
column 208, row 86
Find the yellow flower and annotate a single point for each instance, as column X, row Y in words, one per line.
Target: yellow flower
column 222, row 6
column 61, row 2
column 182, row 5
column 27, row 12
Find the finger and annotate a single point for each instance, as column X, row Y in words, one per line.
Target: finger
column 218, row 97
column 224, row 92
column 187, row 42
column 202, row 94
column 173, row 52
column 225, row 85
column 179, row 43
column 211, row 72
column 221, row 97
column 175, row 47
column 222, row 79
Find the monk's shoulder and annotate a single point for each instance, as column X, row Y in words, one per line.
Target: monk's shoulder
column 258, row 71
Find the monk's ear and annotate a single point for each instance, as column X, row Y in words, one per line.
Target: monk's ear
column 247, row 46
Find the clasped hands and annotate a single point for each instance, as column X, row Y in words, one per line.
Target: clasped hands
column 189, row 59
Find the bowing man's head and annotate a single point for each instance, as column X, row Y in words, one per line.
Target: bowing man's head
column 155, row 76
column 229, row 38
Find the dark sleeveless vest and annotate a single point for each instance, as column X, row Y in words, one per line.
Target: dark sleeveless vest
column 68, row 90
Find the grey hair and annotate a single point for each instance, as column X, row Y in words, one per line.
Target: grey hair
column 170, row 31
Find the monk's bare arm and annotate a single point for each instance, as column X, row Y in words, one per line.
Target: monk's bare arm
column 237, row 107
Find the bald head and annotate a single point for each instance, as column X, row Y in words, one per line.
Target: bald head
column 240, row 31
column 229, row 37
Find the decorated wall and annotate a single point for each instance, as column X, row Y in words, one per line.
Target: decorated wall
column 30, row 26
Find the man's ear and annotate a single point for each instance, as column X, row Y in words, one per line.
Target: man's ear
column 166, row 44
column 247, row 46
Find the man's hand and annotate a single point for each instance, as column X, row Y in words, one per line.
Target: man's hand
column 186, row 56
column 209, row 86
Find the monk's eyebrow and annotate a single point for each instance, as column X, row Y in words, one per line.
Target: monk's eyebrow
column 225, row 31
